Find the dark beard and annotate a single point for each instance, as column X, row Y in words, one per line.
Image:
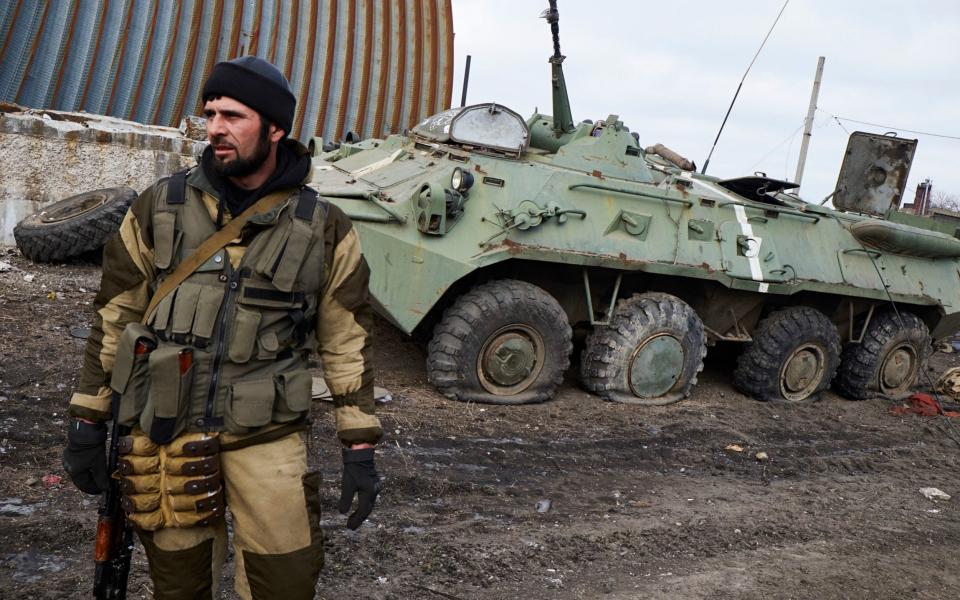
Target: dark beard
column 244, row 165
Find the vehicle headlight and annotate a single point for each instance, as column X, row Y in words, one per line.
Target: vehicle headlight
column 461, row 180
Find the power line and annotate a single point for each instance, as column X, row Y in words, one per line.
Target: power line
column 777, row 147
column 892, row 128
column 841, row 125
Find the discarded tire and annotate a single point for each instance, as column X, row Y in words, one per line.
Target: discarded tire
column 503, row 342
column 73, row 226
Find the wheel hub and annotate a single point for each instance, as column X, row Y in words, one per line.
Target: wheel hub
column 656, row 365
column 898, row 369
column 71, row 210
column 510, row 360
column 802, row 372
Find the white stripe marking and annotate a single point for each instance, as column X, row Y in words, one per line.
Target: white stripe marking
column 756, row 273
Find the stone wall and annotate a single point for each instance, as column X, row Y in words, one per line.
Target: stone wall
column 46, row 156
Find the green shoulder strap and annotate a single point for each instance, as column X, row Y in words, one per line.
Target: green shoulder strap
column 211, row 246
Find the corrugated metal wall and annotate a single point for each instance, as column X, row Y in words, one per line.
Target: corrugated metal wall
column 368, row 66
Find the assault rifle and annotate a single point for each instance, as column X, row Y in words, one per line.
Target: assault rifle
column 114, row 544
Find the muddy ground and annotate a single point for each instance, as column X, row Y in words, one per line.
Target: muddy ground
column 643, row 502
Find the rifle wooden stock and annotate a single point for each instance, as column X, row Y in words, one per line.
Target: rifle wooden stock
column 114, row 543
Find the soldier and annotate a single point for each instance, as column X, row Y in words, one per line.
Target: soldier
column 211, row 368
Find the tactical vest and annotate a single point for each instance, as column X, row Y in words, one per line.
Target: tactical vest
column 227, row 350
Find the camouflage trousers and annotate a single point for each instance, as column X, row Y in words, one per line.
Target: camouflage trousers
column 278, row 544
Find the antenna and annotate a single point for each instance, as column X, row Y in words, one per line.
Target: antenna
column 737, row 93
column 562, row 117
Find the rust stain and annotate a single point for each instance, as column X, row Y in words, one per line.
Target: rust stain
column 143, row 61
column 65, row 48
column 235, row 30
column 308, row 65
column 347, row 71
column 417, row 62
column 479, row 170
column 365, row 78
column 168, row 58
column 121, row 51
column 328, row 65
column 395, row 124
column 33, row 48
column 276, row 30
column 211, row 50
column 385, row 47
column 596, row 173
column 434, row 57
column 7, row 36
column 448, row 72
column 191, row 58
column 292, row 42
column 255, row 34
column 512, row 247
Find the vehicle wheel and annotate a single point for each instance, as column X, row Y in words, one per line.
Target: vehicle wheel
column 503, row 342
column 649, row 353
column 73, row 226
column 888, row 360
column 793, row 356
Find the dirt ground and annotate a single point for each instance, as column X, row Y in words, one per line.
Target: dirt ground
column 574, row 498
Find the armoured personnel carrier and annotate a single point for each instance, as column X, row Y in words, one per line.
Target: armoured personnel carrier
column 499, row 237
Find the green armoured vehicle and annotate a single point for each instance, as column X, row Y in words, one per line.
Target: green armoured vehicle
column 499, row 237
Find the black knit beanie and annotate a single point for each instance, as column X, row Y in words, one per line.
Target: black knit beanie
column 256, row 83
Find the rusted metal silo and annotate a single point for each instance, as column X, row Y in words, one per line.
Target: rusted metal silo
column 368, row 66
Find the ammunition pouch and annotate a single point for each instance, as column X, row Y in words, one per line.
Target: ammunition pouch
column 171, row 485
column 155, row 381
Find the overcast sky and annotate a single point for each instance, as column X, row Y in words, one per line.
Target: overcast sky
column 669, row 69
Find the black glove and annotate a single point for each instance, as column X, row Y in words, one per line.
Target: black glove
column 84, row 458
column 359, row 477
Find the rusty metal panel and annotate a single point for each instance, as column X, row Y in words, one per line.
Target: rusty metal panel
column 368, row 66
column 874, row 173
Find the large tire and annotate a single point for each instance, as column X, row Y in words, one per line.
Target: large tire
column 792, row 358
column 73, row 226
column 650, row 353
column 888, row 360
column 503, row 342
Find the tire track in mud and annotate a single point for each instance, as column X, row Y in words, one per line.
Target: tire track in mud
column 670, row 501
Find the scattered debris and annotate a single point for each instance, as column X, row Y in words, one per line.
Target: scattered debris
column 544, row 505
column 51, row 295
column 762, row 456
column 14, row 507
column 29, row 277
column 32, row 481
column 32, row 567
column 949, row 383
column 5, row 266
column 80, row 332
column 924, row 405
column 932, row 493
column 945, row 347
column 381, row 396
column 734, row 448
column 51, row 480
